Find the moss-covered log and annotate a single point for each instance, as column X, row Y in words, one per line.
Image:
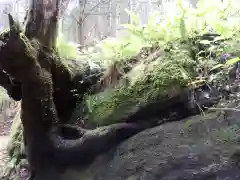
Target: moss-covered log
column 71, row 79
column 33, row 69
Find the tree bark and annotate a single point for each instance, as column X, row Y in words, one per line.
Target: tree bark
column 48, row 148
column 42, row 21
column 51, row 147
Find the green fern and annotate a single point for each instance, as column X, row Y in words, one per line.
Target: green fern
column 67, row 50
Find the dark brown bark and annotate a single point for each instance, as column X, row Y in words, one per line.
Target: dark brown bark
column 44, row 138
column 11, row 85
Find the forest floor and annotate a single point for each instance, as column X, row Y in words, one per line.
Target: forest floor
column 3, row 151
column 6, row 118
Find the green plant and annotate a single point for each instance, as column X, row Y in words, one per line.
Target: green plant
column 174, row 35
column 67, row 50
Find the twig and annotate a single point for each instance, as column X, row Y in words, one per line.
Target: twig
column 83, row 18
column 200, row 109
column 223, row 109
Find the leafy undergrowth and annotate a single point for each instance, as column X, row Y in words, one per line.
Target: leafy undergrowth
column 157, row 60
column 67, row 50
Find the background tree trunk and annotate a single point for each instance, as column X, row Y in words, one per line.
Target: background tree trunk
column 42, row 21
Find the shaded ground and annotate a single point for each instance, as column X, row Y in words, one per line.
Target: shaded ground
column 8, row 111
column 3, row 152
column 200, row 150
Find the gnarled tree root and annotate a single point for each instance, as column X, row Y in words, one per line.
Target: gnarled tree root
column 74, row 146
column 90, row 143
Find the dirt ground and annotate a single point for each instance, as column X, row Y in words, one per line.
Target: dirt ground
column 8, row 111
column 3, row 152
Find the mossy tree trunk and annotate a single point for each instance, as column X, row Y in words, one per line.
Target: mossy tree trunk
column 44, row 84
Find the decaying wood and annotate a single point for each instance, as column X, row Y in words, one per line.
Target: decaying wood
column 45, row 141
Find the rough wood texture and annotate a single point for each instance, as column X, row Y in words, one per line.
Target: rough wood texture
column 44, row 144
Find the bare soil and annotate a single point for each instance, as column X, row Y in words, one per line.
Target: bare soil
column 8, row 111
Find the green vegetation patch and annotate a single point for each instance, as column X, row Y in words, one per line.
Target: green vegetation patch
column 174, row 69
column 162, row 78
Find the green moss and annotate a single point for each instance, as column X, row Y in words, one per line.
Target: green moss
column 159, row 80
column 67, row 50
column 229, row 134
